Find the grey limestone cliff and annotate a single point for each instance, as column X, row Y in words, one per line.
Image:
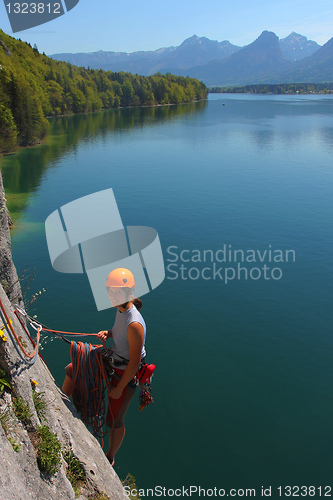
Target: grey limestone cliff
column 8, row 276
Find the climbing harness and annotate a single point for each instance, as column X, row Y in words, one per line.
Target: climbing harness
column 142, row 378
column 110, row 361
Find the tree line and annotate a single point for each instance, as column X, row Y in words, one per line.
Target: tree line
column 285, row 88
column 34, row 86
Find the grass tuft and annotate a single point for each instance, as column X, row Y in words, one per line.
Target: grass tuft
column 48, row 450
column 4, row 419
column 22, row 410
column 16, row 446
column 40, row 404
column 129, row 481
column 5, row 381
column 74, row 473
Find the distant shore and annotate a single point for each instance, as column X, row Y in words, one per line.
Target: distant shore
column 279, row 89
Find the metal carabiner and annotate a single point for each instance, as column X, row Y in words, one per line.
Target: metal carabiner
column 20, row 310
column 36, row 326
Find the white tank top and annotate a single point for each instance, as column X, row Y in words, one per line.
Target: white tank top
column 120, row 347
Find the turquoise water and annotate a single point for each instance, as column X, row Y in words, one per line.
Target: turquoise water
column 243, row 381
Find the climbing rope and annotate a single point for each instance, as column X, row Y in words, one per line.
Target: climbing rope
column 90, row 379
column 44, row 328
column 39, row 327
column 26, row 357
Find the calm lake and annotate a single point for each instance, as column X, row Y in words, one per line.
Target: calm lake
column 241, row 334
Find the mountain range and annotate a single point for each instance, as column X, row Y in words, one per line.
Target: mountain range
column 193, row 51
column 266, row 60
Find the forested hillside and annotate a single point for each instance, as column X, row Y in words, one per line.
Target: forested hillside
column 33, row 86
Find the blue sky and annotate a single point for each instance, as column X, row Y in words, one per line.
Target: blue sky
column 131, row 25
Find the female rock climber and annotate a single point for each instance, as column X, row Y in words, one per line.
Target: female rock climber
column 128, row 351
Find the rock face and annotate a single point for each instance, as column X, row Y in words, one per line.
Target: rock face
column 21, row 478
column 8, row 276
column 6, row 50
column 296, row 47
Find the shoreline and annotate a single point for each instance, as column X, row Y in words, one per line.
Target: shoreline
column 297, row 88
column 41, row 141
column 128, row 107
column 275, row 93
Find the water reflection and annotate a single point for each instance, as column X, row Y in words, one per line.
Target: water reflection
column 22, row 173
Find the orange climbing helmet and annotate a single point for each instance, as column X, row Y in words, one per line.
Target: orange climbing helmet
column 120, row 278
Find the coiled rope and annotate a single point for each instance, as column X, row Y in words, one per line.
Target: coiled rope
column 90, row 379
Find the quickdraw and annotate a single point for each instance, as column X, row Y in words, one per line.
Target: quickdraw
column 144, row 377
column 145, row 398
